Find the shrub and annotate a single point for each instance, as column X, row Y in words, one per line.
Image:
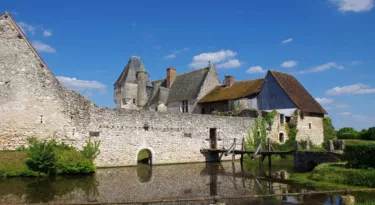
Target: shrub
column 362, row 133
column 370, row 134
column 72, row 161
column 40, row 156
column 91, row 150
column 360, row 155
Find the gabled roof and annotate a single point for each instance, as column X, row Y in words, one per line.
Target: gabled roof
column 23, row 36
column 297, row 93
column 238, row 90
column 185, row 86
column 128, row 75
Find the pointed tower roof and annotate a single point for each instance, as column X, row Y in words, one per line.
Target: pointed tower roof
column 133, row 66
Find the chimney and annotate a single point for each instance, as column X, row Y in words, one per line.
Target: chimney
column 171, row 75
column 229, row 80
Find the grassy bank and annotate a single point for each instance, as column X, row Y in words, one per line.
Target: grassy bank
column 351, row 142
column 328, row 176
column 12, row 163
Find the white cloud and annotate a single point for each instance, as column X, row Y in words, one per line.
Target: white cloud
column 42, row 47
column 174, row 54
column 354, row 89
column 287, row 41
column 26, row 28
column 170, row 56
column 342, row 106
column 82, row 85
column 323, row 67
column 202, row 59
column 353, row 5
column 47, row 32
column 346, row 113
column 324, row 101
column 233, row 63
column 255, row 69
column 289, row 64
column 357, row 62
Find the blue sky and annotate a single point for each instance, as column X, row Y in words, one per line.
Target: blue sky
column 328, row 45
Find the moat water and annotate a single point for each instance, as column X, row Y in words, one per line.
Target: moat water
column 144, row 183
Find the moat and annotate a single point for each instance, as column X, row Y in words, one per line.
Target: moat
column 145, row 183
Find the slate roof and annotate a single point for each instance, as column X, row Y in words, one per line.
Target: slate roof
column 297, row 93
column 238, row 90
column 129, row 73
column 185, row 86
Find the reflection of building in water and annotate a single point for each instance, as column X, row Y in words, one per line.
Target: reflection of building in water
column 143, row 184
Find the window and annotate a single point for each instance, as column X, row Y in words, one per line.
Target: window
column 203, row 111
column 281, row 137
column 185, row 106
column 287, row 119
column 119, row 87
column 281, row 119
column 310, row 125
column 134, row 101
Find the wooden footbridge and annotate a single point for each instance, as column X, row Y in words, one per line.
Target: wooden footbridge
column 321, row 156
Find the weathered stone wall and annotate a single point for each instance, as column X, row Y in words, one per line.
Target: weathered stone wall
column 313, row 133
column 308, row 160
column 171, row 137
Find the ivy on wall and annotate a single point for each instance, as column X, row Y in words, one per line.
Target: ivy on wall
column 328, row 131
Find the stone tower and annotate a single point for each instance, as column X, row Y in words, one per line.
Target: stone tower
column 130, row 89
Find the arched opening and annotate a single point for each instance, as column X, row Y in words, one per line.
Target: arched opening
column 144, row 157
column 281, row 137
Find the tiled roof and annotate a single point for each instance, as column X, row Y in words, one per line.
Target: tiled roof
column 238, row 90
column 185, row 86
column 299, row 95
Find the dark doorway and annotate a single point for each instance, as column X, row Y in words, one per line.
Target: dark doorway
column 213, row 141
column 144, row 157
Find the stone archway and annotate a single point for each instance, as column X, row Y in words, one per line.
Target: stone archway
column 144, row 156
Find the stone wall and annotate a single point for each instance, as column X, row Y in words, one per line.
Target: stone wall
column 171, row 137
column 308, row 160
column 313, row 132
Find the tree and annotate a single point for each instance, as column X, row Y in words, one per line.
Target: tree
column 370, row 134
column 347, row 133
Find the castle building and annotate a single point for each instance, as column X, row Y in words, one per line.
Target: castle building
column 175, row 93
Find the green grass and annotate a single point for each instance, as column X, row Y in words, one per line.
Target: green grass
column 369, row 202
column 351, row 142
column 12, row 163
column 339, row 174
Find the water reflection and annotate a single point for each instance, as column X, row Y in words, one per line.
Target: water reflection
column 144, row 183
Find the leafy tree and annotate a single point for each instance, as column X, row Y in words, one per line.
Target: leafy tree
column 370, row 134
column 91, row 149
column 347, row 133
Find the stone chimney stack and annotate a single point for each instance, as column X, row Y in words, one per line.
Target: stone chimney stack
column 171, row 75
column 229, row 80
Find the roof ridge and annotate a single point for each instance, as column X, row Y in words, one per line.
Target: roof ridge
column 6, row 14
column 182, row 74
column 280, row 72
column 249, row 80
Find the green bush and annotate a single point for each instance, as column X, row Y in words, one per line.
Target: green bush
column 360, row 155
column 49, row 157
column 40, row 156
column 71, row 161
column 338, row 173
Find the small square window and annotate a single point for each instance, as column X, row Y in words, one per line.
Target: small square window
column 134, row 101
column 310, row 125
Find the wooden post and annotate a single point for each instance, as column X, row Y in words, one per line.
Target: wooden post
column 242, row 148
column 234, row 148
column 269, row 150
